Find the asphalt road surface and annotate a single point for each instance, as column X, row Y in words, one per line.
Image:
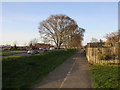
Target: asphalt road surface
column 73, row 73
column 18, row 54
column 15, row 54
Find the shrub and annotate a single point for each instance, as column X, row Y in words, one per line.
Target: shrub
column 101, row 57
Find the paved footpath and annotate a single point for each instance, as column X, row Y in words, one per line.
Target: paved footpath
column 73, row 73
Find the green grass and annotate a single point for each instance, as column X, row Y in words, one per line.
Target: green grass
column 107, row 64
column 5, row 52
column 105, row 76
column 23, row 71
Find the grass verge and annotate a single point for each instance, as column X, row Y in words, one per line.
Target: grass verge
column 6, row 52
column 105, row 76
column 23, row 71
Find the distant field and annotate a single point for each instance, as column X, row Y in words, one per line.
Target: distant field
column 105, row 76
column 6, row 52
column 23, row 71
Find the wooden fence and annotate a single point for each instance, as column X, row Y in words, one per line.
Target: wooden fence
column 99, row 55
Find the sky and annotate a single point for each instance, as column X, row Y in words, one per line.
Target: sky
column 20, row 20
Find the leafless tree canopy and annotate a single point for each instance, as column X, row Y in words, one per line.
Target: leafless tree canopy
column 60, row 29
column 113, row 37
column 32, row 42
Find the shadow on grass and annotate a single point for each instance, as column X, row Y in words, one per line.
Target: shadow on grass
column 23, row 71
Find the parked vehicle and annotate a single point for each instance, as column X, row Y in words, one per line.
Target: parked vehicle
column 32, row 52
column 44, row 50
column 41, row 48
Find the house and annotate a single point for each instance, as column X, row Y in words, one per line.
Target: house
column 112, row 43
column 42, row 45
column 104, row 44
column 22, row 47
column 6, row 47
column 96, row 44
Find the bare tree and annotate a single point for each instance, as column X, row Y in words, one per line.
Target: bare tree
column 101, row 41
column 32, row 43
column 58, row 28
column 76, row 38
column 46, row 40
column 15, row 45
column 113, row 37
